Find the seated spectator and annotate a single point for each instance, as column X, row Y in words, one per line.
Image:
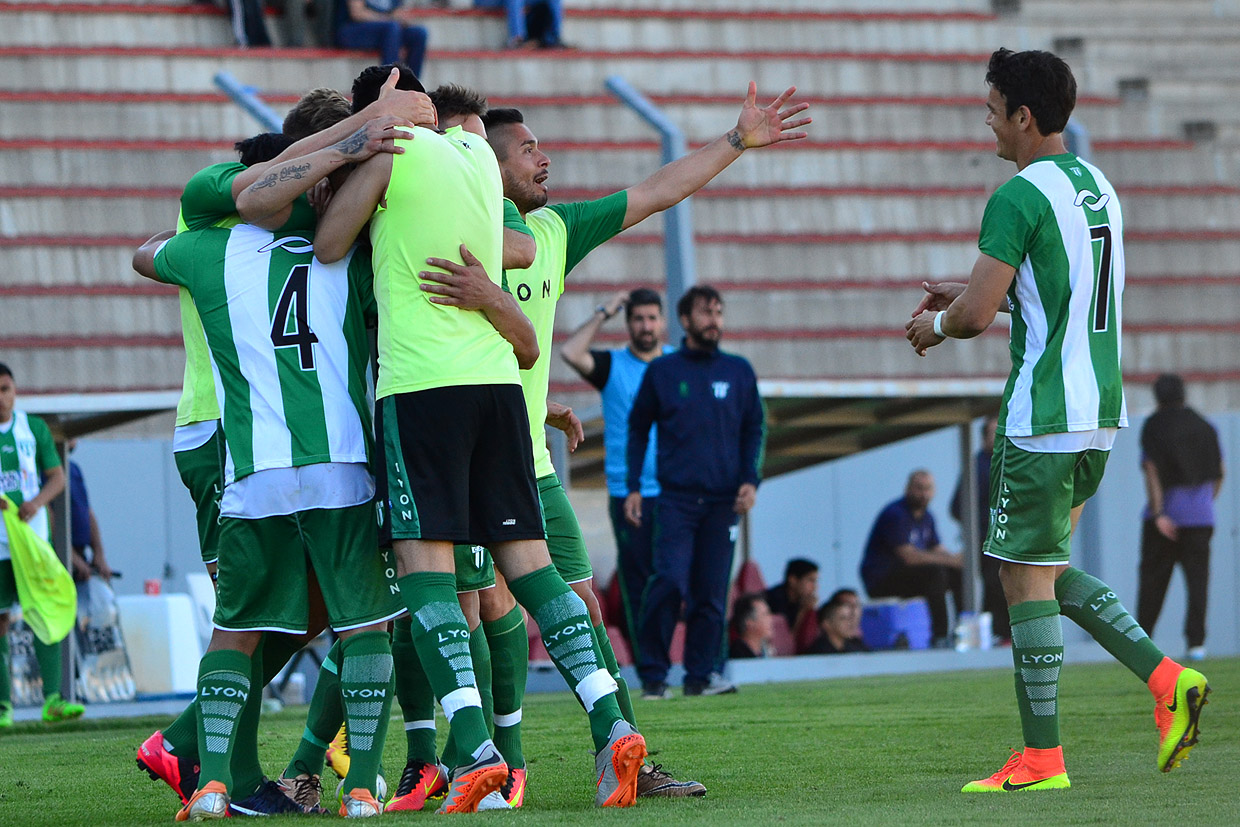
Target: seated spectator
column 248, row 25
column 379, row 24
column 531, row 23
column 840, row 621
column 751, row 627
column 797, row 595
column 904, row 558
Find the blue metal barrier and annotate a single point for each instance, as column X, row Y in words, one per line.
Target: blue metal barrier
column 247, row 98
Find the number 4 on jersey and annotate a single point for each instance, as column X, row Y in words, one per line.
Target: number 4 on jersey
column 290, row 327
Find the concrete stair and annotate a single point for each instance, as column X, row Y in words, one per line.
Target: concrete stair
column 819, row 247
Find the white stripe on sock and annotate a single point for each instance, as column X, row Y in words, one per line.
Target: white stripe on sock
column 594, row 686
column 457, row 699
column 412, row 725
column 511, row 719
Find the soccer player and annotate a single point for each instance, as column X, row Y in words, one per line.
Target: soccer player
column 565, row 234
column 298, row 493
column 1051, row 250
column 456, row 446
column 31, row 476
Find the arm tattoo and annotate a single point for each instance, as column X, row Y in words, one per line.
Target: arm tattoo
column 288, row 173
column 354, row 143
column 734, row 139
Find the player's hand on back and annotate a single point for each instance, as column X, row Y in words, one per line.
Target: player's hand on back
column 466, row 286
column 376, row 135
column 414, row 107
column 758, row 127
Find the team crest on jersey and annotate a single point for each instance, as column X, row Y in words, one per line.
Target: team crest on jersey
column 1097, row 204
column 289, row 243
column 720, row 389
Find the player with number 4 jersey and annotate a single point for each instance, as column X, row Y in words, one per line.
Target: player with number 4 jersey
column 1052, row 253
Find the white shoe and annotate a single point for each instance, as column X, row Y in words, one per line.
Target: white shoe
column 1196, row 653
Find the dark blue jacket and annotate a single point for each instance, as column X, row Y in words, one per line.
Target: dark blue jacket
column 710, row 423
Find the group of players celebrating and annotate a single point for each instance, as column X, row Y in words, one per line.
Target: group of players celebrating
column 415, row 536
column 318, row 526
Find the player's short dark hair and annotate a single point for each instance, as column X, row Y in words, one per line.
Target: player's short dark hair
column 452, row 100
column 1169, row 391
column 798, row 567
column 641, row 297
column 367, row 85
column 317, row 110
column 4, row 370
column 705, row 292
column 263, row 147
column 743, row 610
column 1036, row 79
column 495, row 118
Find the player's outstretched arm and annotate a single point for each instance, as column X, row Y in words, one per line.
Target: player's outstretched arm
column 468, row 287
column 756, row 127
column 268, row 202
column 144, row 256
column 350, row 208
column 971, row 312
column 408, row 106
column 576, row 349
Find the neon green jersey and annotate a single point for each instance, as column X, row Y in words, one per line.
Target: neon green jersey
column 444, row 191
column 565, row 234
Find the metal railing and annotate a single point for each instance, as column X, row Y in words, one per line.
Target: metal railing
column 247, row 98
column 678, row 252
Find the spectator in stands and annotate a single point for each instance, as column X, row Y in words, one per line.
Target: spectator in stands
column 1183, row 470
column 531, row 23
column 710, row 425
column 904, row 557
column 88, row 555
column 617, row 373
column 249, row 27
column 796, row 597
column 381, row 24
column 751, row 627
column 993, row 600
column 840, row 621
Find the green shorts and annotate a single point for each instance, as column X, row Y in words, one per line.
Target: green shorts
column 202, row 471
column 267, row 565
column 8, row 586
column 564, row 540
column 474, row 569
column 1031, row 500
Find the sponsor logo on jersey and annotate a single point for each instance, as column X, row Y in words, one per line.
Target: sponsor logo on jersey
column 720, row 389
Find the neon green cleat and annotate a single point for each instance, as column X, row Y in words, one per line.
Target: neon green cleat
column 1018, row 776
column 6, row 715
column 1177, row 716
column 56, row 709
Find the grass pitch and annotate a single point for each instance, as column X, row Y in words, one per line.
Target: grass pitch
column 886, row 750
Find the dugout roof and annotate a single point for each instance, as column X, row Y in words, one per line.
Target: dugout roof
column 71, row 415
column 812, row 421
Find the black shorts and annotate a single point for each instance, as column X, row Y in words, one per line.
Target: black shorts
column 457, row 466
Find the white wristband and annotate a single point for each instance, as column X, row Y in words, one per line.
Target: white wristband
column 938, row 324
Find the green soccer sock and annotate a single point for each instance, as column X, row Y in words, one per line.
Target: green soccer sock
column 613, row 666
column 509, row 643
column 223, row 689
column 322, row 719
column 1037, row 652
column 481, row 656
column 564, row 622
column 6, row 677
column 1090, row 603
column 247, row 772
column 48, row 656
column 442, row 640
column 413, row 693
column 367, row 690
column 181, row 736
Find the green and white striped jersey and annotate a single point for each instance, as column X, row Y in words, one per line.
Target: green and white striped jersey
column 288, row 343
column 1058, row 222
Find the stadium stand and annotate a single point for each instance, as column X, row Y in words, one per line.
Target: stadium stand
column 819, row 247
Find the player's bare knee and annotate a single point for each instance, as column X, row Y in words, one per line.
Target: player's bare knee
column 243, row 642
column 585, row 590
column 470, row 608
column 495, row 602
column 373, row 627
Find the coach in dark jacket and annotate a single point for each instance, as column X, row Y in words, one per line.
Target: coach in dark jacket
column 706, row 407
